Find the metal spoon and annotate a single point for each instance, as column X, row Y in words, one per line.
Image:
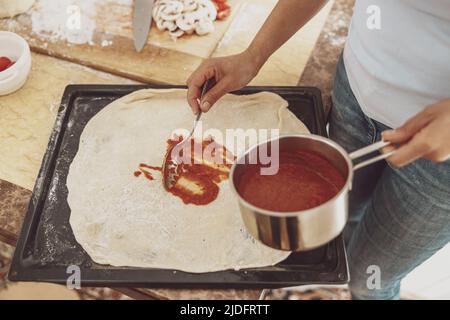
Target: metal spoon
column 170, row 165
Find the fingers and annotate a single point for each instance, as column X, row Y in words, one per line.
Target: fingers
column 412, row 137
column 215, row 93
column 192, row 96
column 414, row 149
column 195, row 83
column 409, row 129
column 425, row 135
column 438, row 156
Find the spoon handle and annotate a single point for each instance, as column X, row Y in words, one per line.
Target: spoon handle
column 206, row 87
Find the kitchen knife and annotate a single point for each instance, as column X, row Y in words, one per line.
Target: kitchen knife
column 142, row 22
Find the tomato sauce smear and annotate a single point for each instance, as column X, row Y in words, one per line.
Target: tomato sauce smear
column 203, row 166
column 304, row 180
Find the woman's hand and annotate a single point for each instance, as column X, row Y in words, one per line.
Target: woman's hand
column 231, row 73
column 425, row 135
column 234, row 72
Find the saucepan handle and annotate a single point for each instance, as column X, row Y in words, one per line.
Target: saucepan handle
column 369, row 149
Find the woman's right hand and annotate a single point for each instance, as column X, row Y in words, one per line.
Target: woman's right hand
column 234, row 72
column 231, row 73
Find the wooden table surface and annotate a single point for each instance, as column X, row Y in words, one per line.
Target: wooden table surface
column 27, row 116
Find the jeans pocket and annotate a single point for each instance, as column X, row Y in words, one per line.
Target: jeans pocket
column 372, row 133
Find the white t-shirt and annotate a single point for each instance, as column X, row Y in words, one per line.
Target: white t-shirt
column 398, row 69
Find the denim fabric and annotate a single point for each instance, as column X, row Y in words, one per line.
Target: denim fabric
column 398, row 217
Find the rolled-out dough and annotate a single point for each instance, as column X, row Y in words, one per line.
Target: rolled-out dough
column 11, row 8
column 122, row 220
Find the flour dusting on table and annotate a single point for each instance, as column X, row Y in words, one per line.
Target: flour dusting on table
column 72, row 20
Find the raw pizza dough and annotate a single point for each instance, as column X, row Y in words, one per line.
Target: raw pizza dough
column 122, row 220
column 11, row 8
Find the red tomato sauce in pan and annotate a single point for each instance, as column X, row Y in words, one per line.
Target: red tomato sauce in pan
column 305, row 180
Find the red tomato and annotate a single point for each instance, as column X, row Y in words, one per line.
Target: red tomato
column 5, row 63
column 223, row 6
column 223, row 9
column 221, row 15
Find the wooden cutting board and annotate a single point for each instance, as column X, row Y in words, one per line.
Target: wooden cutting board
column 98, row 33
column 107, row 44
column 286, row 65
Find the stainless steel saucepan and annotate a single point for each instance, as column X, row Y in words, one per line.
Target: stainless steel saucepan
column 312, row 228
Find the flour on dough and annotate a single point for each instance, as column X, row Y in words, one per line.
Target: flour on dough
column 11, row 8
column 121, row 220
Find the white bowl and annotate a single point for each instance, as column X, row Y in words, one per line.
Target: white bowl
column 15, row 48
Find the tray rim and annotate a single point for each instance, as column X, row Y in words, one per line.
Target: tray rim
column 21, row 270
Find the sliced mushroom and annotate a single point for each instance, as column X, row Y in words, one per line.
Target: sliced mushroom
column 186, row 21
column 190, row 5
column 156, row 11
column 176, row 34
column 168, row 10
column 165, row 24
column 209, row 7
column 181, row 17
column 159, row 23
column 204, row 26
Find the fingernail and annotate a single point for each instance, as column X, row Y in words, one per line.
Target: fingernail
column 206, row 105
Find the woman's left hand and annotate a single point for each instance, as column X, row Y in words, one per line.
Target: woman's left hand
column 425, row 135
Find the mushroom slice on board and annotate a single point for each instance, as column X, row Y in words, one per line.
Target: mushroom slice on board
column 204, row 26
column 187, row 21
column 176, row 34
column 166, row 24
column 181, row 17
column 209, row 7
column 168, row 10
column 190, row 5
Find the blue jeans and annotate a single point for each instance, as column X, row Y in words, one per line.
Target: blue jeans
column 398, row 218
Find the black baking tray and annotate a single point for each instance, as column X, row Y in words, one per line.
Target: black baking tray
column 47, row 247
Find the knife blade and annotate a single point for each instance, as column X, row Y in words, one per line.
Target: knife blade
column 142, row 22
